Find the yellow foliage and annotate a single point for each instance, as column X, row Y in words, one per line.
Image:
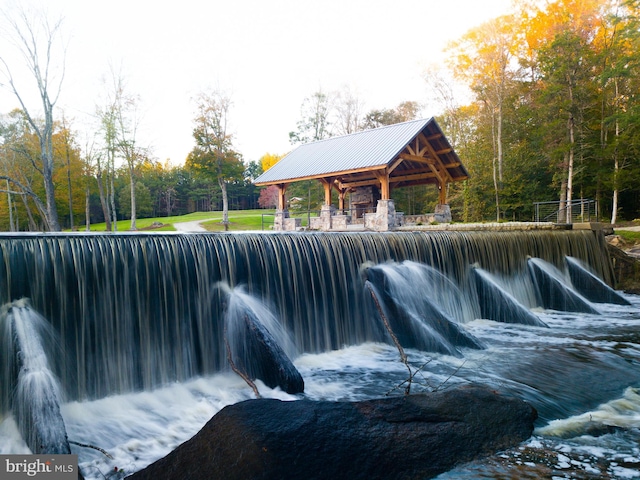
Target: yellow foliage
column 268, row 160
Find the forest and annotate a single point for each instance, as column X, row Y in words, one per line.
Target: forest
column 542, row 104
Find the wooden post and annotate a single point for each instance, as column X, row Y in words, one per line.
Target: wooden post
column 326, row 183
column 385, row 191
column 341, row 193
column 442, row 194
column 282, row 189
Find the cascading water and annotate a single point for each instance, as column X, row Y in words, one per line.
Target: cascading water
column 258, row 346
column 35, row 393
column 554, row 289
column 141, row 324
column 419, row 302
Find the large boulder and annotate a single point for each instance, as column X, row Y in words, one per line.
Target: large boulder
column 416, row 436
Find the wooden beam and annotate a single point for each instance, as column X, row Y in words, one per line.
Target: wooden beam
column 318, row 177
column 442, row 193
column 439, row 162
column 394, row 165
column 282, row 189
column 362, row 183
column 460, row 178
column 327, row 183
column 408, row 178
column 341, row 194
column 415, row 158
column 385, row 191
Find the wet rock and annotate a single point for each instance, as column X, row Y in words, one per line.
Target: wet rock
column 415, row 436
column 626, row 270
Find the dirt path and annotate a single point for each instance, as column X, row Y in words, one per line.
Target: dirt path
column 189, row 226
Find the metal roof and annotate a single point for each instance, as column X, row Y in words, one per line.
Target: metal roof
column 366, row 150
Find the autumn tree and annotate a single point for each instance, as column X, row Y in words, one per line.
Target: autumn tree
column 37, row 41
column 268, row 160
column 618, row 44
column 484, row 58
column 269, row 197
column 213, row 154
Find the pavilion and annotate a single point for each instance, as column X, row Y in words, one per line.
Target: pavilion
column 368, row 165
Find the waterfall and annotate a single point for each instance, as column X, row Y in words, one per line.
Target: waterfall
column 257, row 344
column 137, row 311
column 29, row 385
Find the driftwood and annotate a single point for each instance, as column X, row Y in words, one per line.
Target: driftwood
column 242, row 374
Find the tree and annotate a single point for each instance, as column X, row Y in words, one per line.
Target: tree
column 269, row 197
column 213, row 154
column 314, row 123
column 36, row 40
column 120, row 122
column 348, row 112
column 268, row 160
column 484, row 57
column 404, row 112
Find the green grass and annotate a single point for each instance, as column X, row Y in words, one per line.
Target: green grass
column 630, row 237
column 238, row 220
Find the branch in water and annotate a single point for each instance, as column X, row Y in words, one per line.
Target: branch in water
column 101, row 450
column 236, row 369
column 385, row 321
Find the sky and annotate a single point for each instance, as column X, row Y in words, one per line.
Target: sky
column 267, row 55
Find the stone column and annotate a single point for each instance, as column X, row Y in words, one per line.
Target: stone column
column 384, row 219
column 443, row 213
column 324, row 221
column 281, row 218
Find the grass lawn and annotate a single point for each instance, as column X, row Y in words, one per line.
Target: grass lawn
column 239, row 220
column 629, row 237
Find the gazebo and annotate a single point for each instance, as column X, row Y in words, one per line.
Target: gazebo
column 368, row 165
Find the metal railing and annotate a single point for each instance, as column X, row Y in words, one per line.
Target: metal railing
column 576, row 211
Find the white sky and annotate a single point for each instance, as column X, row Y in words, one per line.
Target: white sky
column 268, row 54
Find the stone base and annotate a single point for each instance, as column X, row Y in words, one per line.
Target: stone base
column 324, row 221
column 443, row 213
column 384, row 219
column 283, row 222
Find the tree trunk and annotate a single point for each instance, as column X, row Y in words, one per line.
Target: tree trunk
column 69, row 184
column 225, row 203
column 562, row 207
column 32, row 223
column 499, row 142
column 103, row 202
column 10, row 206
column 496, row 184
column 570, row 170
column 132, row 182
column 51, row 219
column 87, row 209
column 112, row 193
column 616, row 165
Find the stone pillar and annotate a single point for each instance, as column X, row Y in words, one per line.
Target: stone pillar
column 443, row 213
column 384, row 219
column 280, row 220
column 323, row 222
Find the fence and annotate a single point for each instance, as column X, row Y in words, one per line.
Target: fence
column 576, row 211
